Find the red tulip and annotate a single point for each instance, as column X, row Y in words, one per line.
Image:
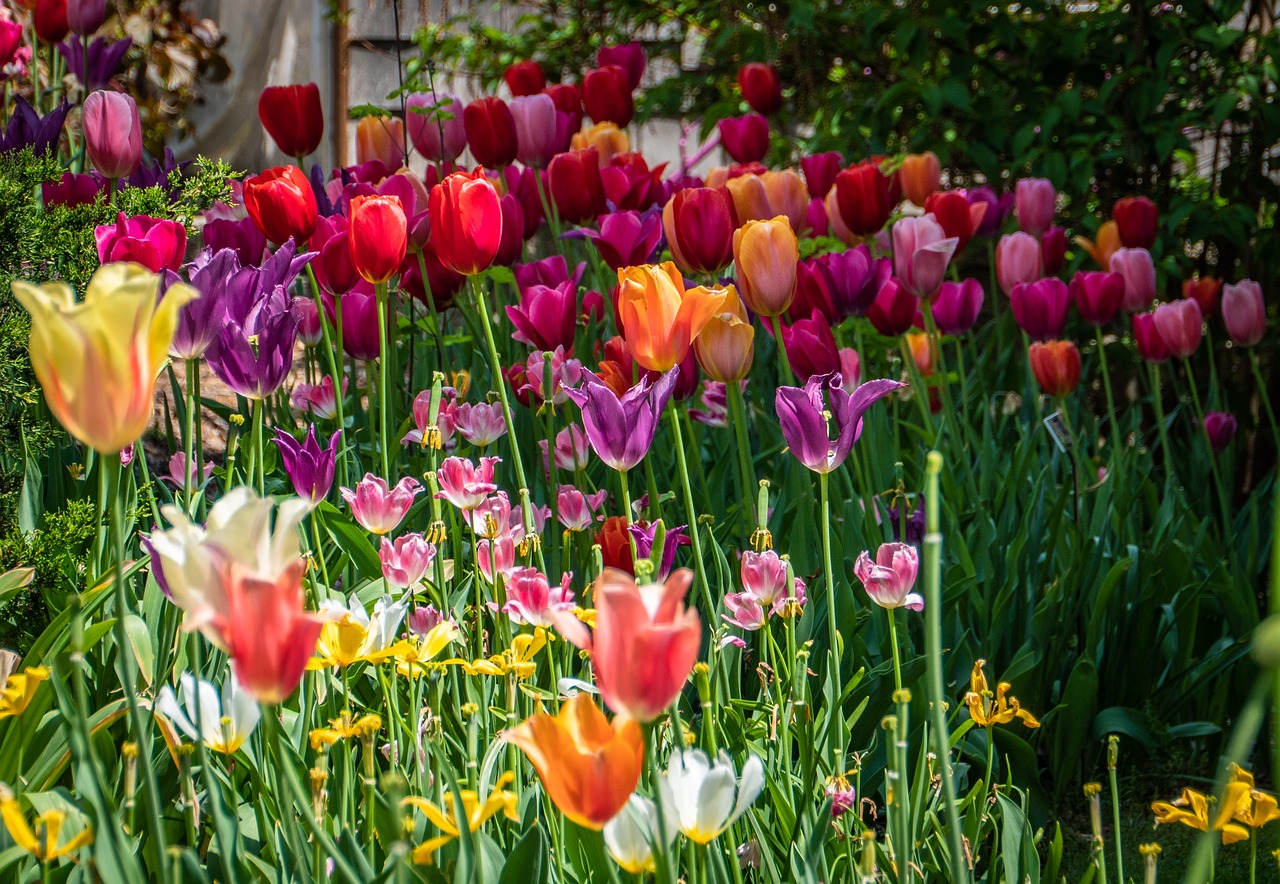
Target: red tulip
column 1204, row 290
column 958, row 217
column 893, row 311
column 379, row 235
column 820, row 172
column 50, row 18
column 1098, row 295
column 525, row 78
column 628, row 56
column 1135, row 216
column 292, row 117
column 606, row 93
column 270, row 638
column 1053, row 249
column 760, row 87
column 698, row 222
column 491, row 131
column 466, row 222
column 576, row 189
column 1056, row 365
column 511, row 246
column 745, row 138
column 863, row 196
column 280, row 201
column 568, row 101
column 1151, row 347
column 614, row 538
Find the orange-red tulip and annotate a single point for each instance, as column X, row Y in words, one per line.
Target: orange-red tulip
column 660, row 320
column 1056, row 365
column 588, row 766
column 378, row 236
column 725, row 347
column 466, row 222
column 282, row 205
column 750, row 199
column 765, row 254
column 921, row 176
column 269, row 637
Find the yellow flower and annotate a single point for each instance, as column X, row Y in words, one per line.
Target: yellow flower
column 343, row 728
column 475, row 812
column 1245, row 804
column 98, row 359
column 606, row 138
column 42, row 842
column 516, row 660
column 17, row 691
column 1192, row 809
column 351, row 635
column 586, row 615
column 412, row 656
column 987, row 709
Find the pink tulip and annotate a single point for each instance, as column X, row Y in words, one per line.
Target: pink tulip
column 1018, row 260
column 764, row 576
column 536, row 129
column 406, row 561
column 957, row 306
column 1040, row 307
column 464, row 484
column 888, row 580
column 545, row 318
column 376, row 507
column 496, row 556
column 531, row 598
column 577, row 510
column 1244, row 312
column 481, row 424
column 112, row 133
column 921, row 252
column 1220, row 427
column 436, row 138
column 1181, row 326
column 1139, row 273
column 572, row 446
column 1098, row 295
column 745, row 611
column 850, row 367
column 1034, row 204
column 155, row 243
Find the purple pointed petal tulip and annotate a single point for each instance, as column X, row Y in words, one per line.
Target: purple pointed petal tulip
column 309, row 467
column 800, row 412
column 546, row 316
column 621, row 430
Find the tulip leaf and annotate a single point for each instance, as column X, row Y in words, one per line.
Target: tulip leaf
column 14, row 580
column 352, row 541
column 140, row 641
column 527, row 861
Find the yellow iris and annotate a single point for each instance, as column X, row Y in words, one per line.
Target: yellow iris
column 988, row 709
column 474, row 811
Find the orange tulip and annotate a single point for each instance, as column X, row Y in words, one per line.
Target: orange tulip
column 750, row 200
column 725, row 347
column 606, row 138
column 921, row 175
column 787, row 196
column 765, row 254
column 380, row 138
column 1108, row 244
column 922, row 352
column 660, row 320
column 588, row 766
column 835, row 220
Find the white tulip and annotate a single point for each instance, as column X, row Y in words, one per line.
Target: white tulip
column 227, row 718
column 629, row 836
column 699, row 795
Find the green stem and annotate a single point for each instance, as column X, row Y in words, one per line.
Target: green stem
column 384, row 379
column 334, row 374
column 1266, row 399
column 1115, row 820
column 919, row 390
column 836, row 724
column 1106, row 382
column 893, row 648
column 1213, row 456
column 189, row 434
column 258, row 406
column 691, row 512
column 1157, row 401
column 746, row 467
column 787, row 374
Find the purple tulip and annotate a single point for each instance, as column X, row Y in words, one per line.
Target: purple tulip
column 242, row 236
column 621, row 430
column 646, row 534
column 957, row 306
column 156, row 173
column 536, row 124
column 1040, row 307
column 854, row 278
column 104, row 60
column 1220, row 427
column 998, row 209
column 811, row 347
column 804, row 424
column 200, row 320
column 921, row 252
column 309, row 467
column 546, row 316
column 549, row 272
column 258, row 369
column 28, row 129
column 86, row 16
column 626, row 239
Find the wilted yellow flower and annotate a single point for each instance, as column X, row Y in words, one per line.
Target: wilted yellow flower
column 42, row 842
column 987, row 709
column 344, row 728
column 516, row 660
column 1191, row 808
column 412, row 655
column 17, row 691
column 474, row 811
column 98, row 359
column 1246, row 804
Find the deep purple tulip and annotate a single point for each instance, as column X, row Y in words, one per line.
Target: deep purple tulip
column 243, row 237
column 626, row 239
column 309, row 467
column 1098, row 295
column 359, row 321
column 73, row 190
column 801, row 412
column 249, row 286
column 104, row 60
column 28, row 129
column 811, row 347
column 546, row 316
column 957, row 306
column 621, row 430
column 646, row 533
column 1040, row 307
column 156, row 173
column 1220, row 427
column 998, row 209
column 256, row 370
column 212, row 274
column 854, row 278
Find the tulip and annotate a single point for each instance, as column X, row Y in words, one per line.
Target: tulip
column 628, row 56
column 359, row 307
column 71, row 190
column 1040, row 307
column 614, row 540
column 568, row 101
column 380, row 138
column 1056, row 365
column 525, row 78
column 760, row 87
column 608, row 140
column 699, row 227
column 28, row 129
column 511, row 246
column 889, row 579
column 226, row 715
column 378, row 237
column 549, row 272
column 97, row 360
column 893, row 311
column 606, row 94
column 959, row 217
column 1244, row 313
column 535, row 122
column 1106, row 246
column 491, row 131
column 577, row 510
column 1034, row 204
column 436, row 125
column 292, row 117
column 629, row 837
column 566, row 372
column 997, row 211
column 820, row 170
column 1204, row 290
column 333, row 267
column 466, row 485
column 700, row 795
column 1181, row 326
column 621, row 428
column 319, row 399
column 95, row 65
column 112, row 133
column 17, row 690
column 854, row 278
column 308, row 466
column 180, row 472
column 660, row 319
column 253, row 353
column 862, row 198
column 545, row 317
column 85, row 16
column 1146, row 337
column 922, row 352
column 576, row 189
column 465, row 222
column 49, row 20
column 811, row 347
column 787, row 196
column 377, row 507
column 957, row 306
column 764, row 576
column 1053, row 249
column 813, row 292
column 745, row 138
column 10, row 41
column 921, row 176
column 724, row 349
column 243, row 237
column 850, row 366
column 481, row 424
column 628, row 181
column 805, row 425
column 626, row 238
column 765, row 254
column 921, row 253
column 1138, row 271
column 406, row 561
column 155, row 243
column 1135, row 218
column 745, row 611
column 532, row 600
column 282, row 205
column 1098, row 296
column 1220, row 428
column 1018, row 260
column 353, row 635
column 588, row 766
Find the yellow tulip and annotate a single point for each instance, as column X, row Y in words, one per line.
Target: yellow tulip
column 660, row 320
column 606, row 138
column 98, row 359
column 17, row 691
column 42, row 842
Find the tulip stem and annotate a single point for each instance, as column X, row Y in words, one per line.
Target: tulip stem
column 1106, row 381
column 384, row 376
column 833, row 734
column 919, row 390
column 436, row 331
column 334, row 374
column 626, row 514
column 787, row 374
column 1262, row 395
column 690, row 512
column 1157, row 401
column 935, row 342
column 1213, row 455
column 893, row 648
column 189, row 434
column 746, row 468
column 257, row 406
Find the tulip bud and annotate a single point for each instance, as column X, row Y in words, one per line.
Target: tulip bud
column 1244, row 313
column 921, row 176
column 606, row 94
column 921, row 253
column 1040, row 307
column 86, row 16
column 378, row 236
column 787, row 196
column 959, row 218
column 1056, row 365
column 1098, row 295
column 112, row 133
column 725, row 347
column 1181, row 326
column 699, row 226
column 436, row 127
column 765, row 254
column 466, row 222
column 863, row 198
column 820, row 172
column 1017, row 260
column 1220, row 427
column 292, row 117
column 382, row 139
column 1139, row 273
column 1034, row 204
column 1135, row 218
column 576, row 188
column 745, row 138
column 749, row 198
column 608, row 140
column 491, row 131
column 525, row 78
column 1146, row 337
column 760, row 87
column 282, row 205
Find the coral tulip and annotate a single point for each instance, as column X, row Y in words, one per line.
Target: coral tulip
column 525, row 78
column 1181, row 326
column 380, row 138
column 698, row 222
column 1135, row 218
column 1097, row 295
column 921, row 253
column 378, row 237
column 745, row 138
column 292, row 117
column 1244, row 312
column 1034, row 204
column 1056, row 365
column 576, row 188
column 749, row 198
column 765, row 254
column 921, row 176
column 282, row 205
column 1138, row 271
column 787, row 196
column 863, row 198
column 760, row 87
column 1040, row 307
column 491, row 131
column 660, row 319
column 466, row 222
column 112, row 133
column 606, row 94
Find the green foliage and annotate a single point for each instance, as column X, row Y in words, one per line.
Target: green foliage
column 58, row 553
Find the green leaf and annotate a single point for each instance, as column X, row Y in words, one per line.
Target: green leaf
column 140, row 641
column 352, row 540
column 527, row 862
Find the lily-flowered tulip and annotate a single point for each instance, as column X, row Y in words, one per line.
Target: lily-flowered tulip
column 378, row 508
column 648, row 623
column 1098, row 295
column 380, row 138
column 1181, row 326
column 1135, row 218
column 406, row 561
column 1244, row 313
column 1204, row 290
column 629, row 837
column 760, row 87
column 606, row 95
column 893, row 312
column 956, row 308
column 1108, row 242
column 1056, row 366
column 801, row 411
column 1034, row 204
column 352, row 635
column 570, row 452
column 45, row 842
column 988, row 709
column 378, row 237
column 698, row 222
column 660, row 319
column 1040, row 307
column 466, row 224
column 863, row 198
column 525, row 78
column 921, row 253
column 765, row 254
column 227, row 715
column 577, row 510
column 589, row 766
column 281, row 203
column 577, row 190
column 921, row 176
column 1018, row 260
column 1138, row 270
column 1146, row 337
column 621, row 429
column 745, row 138
column 112, row 133
column 308, row 466
column 1220, row 427
column 253, row 353
column 155, row 243
column 725, row 347
column 532, row 599
column 700, row 795
column 293, row 117
column 436, row 125
column 473, row 814
column 889, row 579
column 958, row 216
column 97, row 359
